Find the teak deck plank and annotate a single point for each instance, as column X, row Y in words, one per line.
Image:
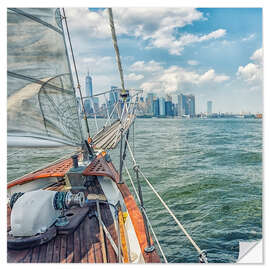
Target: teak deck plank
column 63, row 249
column 70, row 248
column 42, row 253
column 56, row 250
column 35, row 254
column 83, row 245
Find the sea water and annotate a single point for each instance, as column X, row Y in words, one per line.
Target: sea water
column 208, row 171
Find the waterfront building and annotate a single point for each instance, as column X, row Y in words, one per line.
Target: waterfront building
column 95, row 102
column 156, row 107
column 191, row 101
column 88, row 107
column 168, row 108
column 150, row 103
column 186, row 105
column 162, row 106
column 209, row 107
column 179, row 105
column 174, row 109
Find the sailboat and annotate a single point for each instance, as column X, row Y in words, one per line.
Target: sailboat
column 77, row 208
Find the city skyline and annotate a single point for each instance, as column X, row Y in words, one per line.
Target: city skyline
column 213, row 53
column 155, row 104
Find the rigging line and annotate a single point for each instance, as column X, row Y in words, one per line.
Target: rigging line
column 114, row 38
column 77, row 77
column 108, row 115
column 36, row 19
column 111, row 114
column 42, row 83
column 116, row 102
column 153, row 232
column 106, row 92
column 120, row 127
column 114, row 90
column 201, row 253
column 12, row 154
column 172, row 214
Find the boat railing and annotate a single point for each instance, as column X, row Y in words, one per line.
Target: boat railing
column 113, row 108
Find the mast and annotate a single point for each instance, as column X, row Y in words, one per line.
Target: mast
column 124, row 93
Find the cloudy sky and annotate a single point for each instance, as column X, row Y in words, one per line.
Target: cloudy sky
column 215, row 54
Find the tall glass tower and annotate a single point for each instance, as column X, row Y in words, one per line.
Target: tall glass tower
column 88, row 85
column 186, row 105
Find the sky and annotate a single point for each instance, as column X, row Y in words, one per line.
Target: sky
column 213, row 53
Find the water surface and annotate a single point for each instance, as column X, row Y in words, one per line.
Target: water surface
column 209, row 172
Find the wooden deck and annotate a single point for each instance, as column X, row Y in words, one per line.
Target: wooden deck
column 81, row 246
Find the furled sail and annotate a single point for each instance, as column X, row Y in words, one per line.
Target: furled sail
column 41, row 103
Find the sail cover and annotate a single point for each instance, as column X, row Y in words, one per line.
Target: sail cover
column 41, row 102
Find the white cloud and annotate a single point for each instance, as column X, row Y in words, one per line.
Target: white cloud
column 257, row 56
column 174, row 78
column 134, row 77
column 155, row 25
column 193, row 62
column 166, row 40
column 210, row 75
column 252, row 73
column 151, row 66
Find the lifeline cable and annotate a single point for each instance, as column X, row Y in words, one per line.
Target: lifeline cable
column 150, row 225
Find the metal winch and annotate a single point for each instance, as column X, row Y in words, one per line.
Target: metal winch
column 35, row 211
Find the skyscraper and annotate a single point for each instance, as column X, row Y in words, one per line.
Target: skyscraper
column 91, row 104
column 162, row 106
column 156, row 107
column 209, row 107
column 168, row 108
column 150, row 103
column 191, row 101
column 88, row 85
column 180, row 105
column 186, row 105
column 88, row 93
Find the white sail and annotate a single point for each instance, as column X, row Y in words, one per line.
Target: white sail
column 41, row 99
